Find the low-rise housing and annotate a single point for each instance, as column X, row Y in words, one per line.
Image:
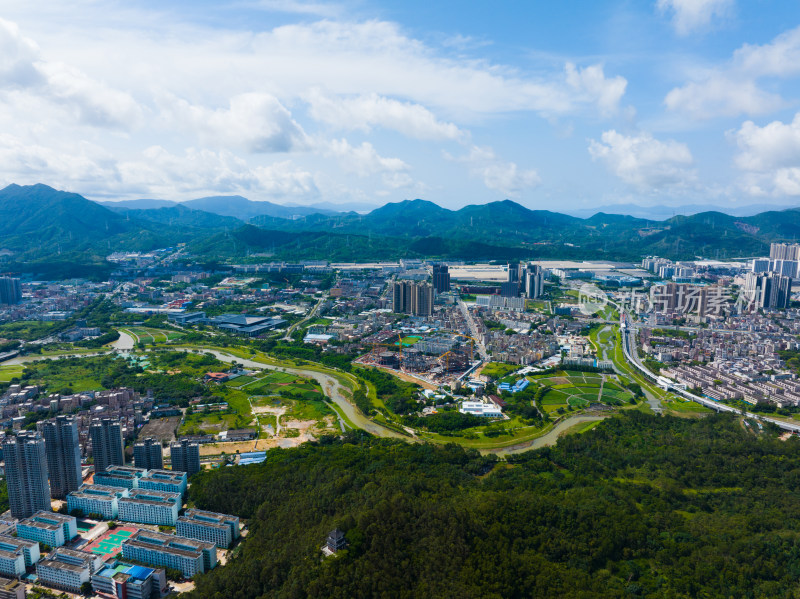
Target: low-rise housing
column 97, row 499
column 220, row 529
column 164, row 480
column 120, row 476
column 150, row 507
column 16, row 555
column 48, row 528
column 11, row 589
column 190, row 556
column 66, row 569
column 126, row 581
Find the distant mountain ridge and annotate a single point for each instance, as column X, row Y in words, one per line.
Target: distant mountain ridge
column 39, row 223
column 233, row 206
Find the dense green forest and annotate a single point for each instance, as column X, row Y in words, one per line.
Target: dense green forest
column 640, row 506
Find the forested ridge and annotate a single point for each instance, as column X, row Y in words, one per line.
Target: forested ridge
column 640, row 506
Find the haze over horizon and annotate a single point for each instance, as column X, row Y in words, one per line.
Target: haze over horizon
column 666, row 102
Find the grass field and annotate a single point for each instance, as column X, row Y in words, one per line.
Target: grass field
column 498, row 370
column 9, row 372
column 212, row 423
column 577, row 390
column 26, row 330
column 150, row 335
column 409, row 341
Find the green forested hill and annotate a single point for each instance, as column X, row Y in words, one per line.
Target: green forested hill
column 640, row 506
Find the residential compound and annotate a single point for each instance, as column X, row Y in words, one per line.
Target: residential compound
column 220, row 529
column 67, row 569
column 185, row 457
column 150, row 507
column 26, row 474
column 16, row 555
column 48, row 528
column 62, row 445
column 410, row 297
column 107, row 444
column 96, row 499
column 189, row 556
column 148, row 454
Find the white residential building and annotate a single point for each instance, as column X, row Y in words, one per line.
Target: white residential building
column 48, row 528
column 67, row 570
column 220, row 529
column 97, row 499
column 169, row 551
column 150, row 507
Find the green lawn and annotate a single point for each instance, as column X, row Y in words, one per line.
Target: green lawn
column 150, row 335
column 26, row 330
column 9, row 372
column 498, row 370
column 213, row 422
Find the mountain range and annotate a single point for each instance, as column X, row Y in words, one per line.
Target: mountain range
column 44, row 226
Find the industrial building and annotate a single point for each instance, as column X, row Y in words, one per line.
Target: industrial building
column 246, row 325
column 16, row 555
column 189, row 556
column 220, row 529
column 479, row 408
column 164, row 480
column 11, row 589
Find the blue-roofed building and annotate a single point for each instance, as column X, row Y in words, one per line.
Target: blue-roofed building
column 252, row 457
column 520, row 385
column 127, row 581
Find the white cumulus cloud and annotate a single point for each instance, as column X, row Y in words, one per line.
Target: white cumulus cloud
column 643, row 161
column 257, row 122
column 596, row 87
column 366, row 111
column 770, row 157
column 736, row 87
column 364, row 161
column 498, row 175
column 690, row 15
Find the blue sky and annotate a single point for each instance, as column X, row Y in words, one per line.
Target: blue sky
column 559, row 105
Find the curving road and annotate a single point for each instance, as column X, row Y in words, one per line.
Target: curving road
column 333, row 389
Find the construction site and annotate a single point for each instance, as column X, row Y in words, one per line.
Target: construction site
column 437, row 359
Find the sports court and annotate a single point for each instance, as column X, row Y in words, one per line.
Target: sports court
column 109, row 544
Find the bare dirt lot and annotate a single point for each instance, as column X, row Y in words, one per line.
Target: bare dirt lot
column 162, row 429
